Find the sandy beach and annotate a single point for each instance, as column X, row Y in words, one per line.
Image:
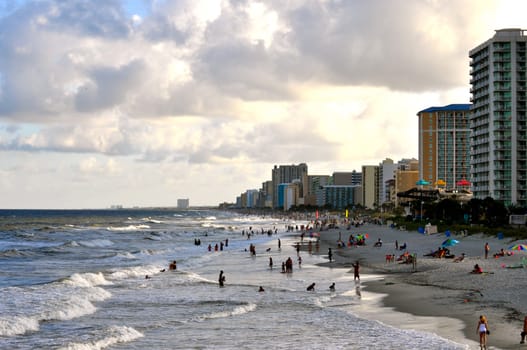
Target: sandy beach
column 440, row 295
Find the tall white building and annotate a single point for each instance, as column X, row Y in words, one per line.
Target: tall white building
column 386, row 173
column 499, row 117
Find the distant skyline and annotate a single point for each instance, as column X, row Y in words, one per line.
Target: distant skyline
column 140, row 103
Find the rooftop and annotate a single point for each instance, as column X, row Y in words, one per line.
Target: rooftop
column 452, row 107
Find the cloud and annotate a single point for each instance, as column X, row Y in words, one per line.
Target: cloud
column 227, row 85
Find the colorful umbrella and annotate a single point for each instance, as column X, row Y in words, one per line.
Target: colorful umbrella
column 449, row 242
column 518, row 247
column 463, row 182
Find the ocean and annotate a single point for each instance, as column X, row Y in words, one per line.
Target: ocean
column 76, row 279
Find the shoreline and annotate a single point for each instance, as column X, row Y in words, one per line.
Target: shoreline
column 441, row 296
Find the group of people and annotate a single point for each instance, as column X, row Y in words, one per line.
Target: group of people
column 440, row 252
column 311, row 287
column 218, row 247
column 287, row 266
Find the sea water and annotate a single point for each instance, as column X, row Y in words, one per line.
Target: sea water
column 77, row 280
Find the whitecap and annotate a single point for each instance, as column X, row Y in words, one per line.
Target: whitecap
column 128, row 228
column 134, row 272
column 87, row 280
column 10, row 326
column 117, row 334
column 239, row 310
column 96, row 243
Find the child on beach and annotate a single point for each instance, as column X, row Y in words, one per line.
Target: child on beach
column 477, row 269
column 483, row 331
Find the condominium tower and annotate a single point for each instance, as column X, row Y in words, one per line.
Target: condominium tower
column 444, row 144
column 285, row 174
column 499, row 117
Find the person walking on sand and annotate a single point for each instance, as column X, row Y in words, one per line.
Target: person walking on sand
column 487, row 249
column 483, row 331
column 524, row 332
column 356, row 268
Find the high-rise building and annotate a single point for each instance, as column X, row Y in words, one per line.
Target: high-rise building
column 285, row 174
column 385, row 174
column 312, row 186
column 349, row 178
column 499, row 117
column 444, row 144
column 370, row 188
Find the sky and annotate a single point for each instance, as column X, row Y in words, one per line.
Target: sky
column 143, row 102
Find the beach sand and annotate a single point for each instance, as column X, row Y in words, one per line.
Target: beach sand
column 440, row 296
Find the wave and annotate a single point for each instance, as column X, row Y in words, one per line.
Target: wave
column 17, row 325
column 134, row 272
column 47, row 305
column 117, row 334
column 126, row 255
column 87, row 280
column 214, row 226
column 96, row 243
column 14, row 252
column 239, row 310
column 128, row 228
column 151, row 221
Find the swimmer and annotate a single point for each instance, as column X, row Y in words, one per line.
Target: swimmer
column 172, row 265
column 311, row 287
column 261, row 289
column 147, row 277
column 332, row 287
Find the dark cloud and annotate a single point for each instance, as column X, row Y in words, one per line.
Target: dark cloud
column 108, row 86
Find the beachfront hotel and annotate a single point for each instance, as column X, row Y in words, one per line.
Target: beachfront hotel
column 499, row 117
column 444, row 144
column 282, row 175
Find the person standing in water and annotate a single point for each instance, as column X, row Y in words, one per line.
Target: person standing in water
column 356, row 268
column 330, row 255
column 221, row 279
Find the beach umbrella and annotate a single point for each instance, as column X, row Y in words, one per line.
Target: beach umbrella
column 422, row 182
column 463, row 182
column 440, row 182
column 449, row 242
column 518, row 247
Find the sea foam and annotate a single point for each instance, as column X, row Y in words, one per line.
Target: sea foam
column 10, row 326
column 117, row 334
